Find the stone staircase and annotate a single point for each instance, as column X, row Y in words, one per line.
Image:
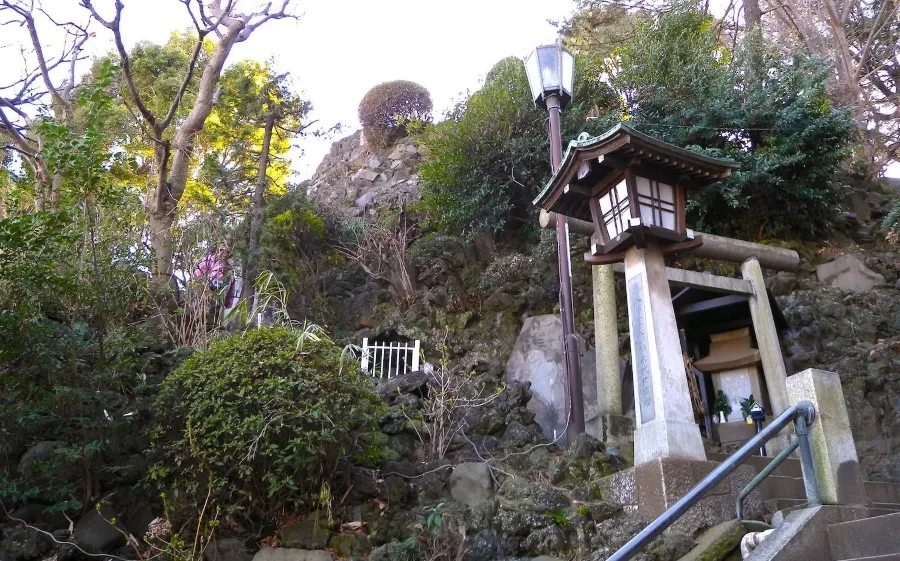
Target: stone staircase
column 869, row 533
column 869, row 539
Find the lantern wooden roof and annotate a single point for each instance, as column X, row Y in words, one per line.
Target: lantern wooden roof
column 592, row 161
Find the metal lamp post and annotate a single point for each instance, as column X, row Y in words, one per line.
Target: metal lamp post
column 550, row 70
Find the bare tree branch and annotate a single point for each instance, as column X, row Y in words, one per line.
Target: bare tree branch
column 114, row 25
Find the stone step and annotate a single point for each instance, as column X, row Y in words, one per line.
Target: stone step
column 888, row 557
column 878, row 509
column 788, row 468
column 880, row 492
column 781, row 487
column 868, row 537
column 776, row 505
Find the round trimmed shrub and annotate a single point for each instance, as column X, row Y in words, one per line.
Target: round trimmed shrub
column 387, row 109
column 263, row 421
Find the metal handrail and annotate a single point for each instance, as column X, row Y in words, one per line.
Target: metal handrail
column 801, row 415
column 766, row 472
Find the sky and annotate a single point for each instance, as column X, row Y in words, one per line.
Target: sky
column 338, row 49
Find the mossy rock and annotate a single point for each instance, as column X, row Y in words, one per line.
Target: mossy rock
column 350, row 545
column 718, row 543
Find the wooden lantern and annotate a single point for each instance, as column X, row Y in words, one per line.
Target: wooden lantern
column 633, row 188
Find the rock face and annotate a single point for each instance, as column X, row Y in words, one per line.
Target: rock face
column 40, row 452
column 305, row 534
column 470, row 483
column 847, row 272
column 95, row 534
column 537, row 358
column 857, row 336
column 358, row 179
column 24, row 545
column 227, row 549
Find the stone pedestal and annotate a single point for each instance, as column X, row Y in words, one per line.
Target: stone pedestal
column 665, row 426
column 661, row 482
column 738, row 383
column 834, row 453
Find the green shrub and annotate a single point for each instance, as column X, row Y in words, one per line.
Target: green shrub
column 388, row 109
column 767, row 109
column 298, row 236
column 263, row 421
column 434, row 254
column 489, row 158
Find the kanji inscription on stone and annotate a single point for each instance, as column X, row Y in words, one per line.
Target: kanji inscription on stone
column 641, row 346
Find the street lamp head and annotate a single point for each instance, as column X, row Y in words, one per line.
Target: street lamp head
column 551, row 71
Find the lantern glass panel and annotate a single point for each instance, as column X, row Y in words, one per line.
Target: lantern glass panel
column 533, row 71
column 656, row 201
column 568, row 71
column 614, row 210
column 549, row 62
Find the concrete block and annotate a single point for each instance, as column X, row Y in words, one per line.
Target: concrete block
column 848, row 272
column 780, row 487
column 619, row 488
column 834, row 453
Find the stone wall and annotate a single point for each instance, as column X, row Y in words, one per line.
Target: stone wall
column 359, row 179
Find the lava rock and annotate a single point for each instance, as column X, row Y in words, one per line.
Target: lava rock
column 95, row 534
column 471, row 483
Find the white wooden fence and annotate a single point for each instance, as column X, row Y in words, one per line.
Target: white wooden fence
column 387, row 360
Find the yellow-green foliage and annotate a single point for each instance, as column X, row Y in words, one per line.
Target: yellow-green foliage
column 263, row 419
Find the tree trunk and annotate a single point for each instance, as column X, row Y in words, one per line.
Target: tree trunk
column 752, row 14
column 168, row 193
column 251, row 267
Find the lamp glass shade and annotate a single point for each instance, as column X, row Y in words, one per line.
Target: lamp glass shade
column 533, row 71
column 568, row 71
column 656, row 202
column 550, row 70
column 614, row 210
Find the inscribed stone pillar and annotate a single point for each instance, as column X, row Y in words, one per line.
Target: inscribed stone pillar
column 664, row 416
column 834, row 453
